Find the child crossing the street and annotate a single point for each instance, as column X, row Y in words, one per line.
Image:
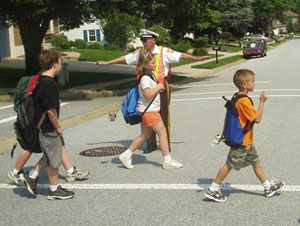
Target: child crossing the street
column 148, row 89
column 244, row 154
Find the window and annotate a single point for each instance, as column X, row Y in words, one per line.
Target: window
column 92, row 35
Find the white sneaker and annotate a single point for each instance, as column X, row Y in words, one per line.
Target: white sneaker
column 172, row 165
column 126, row 162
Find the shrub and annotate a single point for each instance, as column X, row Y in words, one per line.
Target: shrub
column 182, row 46
column 80, row 44
column 164, row 36
column 201, row 41
column 112, row 47
column 200, row 52
column 94, row 45
column 60, row 42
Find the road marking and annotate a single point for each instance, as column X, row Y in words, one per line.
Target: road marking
column 8, row 119
column 220, row 84
column 216, row 98
column 7, row 106
column 234, row 91
column 227, row 187
column 12, row 118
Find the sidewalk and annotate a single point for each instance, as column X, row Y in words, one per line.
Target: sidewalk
column 90, row 91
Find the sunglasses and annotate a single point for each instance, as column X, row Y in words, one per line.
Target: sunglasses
column 145, row 39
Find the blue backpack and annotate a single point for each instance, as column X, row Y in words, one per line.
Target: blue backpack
column 233, row 132
column 130, row 102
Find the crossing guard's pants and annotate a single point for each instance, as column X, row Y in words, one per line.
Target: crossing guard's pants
column 165, row 97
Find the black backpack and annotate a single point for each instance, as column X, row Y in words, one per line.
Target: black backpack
column 25, row 128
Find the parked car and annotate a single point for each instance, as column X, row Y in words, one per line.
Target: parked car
column 255, row 37
column 255, row 49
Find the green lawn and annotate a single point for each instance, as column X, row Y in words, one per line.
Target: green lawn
column 212, row 65
column 95, row 55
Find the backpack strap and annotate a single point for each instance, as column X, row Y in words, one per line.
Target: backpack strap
column 138, row 82
column 234, row 99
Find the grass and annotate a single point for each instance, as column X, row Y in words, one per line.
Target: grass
column 212, row 65
column 230, row 48
column 95, row 55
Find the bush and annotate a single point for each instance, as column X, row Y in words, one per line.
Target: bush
column 164, row 36
column 182, row 46
column 112, row 47
column 60, row 42
column 94, row 45
column 80, row 44
column 200, row 52
column 201, row 41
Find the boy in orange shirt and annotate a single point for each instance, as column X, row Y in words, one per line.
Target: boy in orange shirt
column 246, row 154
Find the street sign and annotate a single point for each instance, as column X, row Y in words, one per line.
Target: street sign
column 216, row 48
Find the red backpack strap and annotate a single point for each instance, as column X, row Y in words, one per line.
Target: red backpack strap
column 32, row 83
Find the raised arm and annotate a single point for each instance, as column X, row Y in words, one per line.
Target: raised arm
column 190, row 57
column 114, row 61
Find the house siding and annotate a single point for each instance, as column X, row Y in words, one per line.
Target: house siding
column 83, row 32
column 4, row 41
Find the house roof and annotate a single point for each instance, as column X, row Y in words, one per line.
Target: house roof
column 291, row 13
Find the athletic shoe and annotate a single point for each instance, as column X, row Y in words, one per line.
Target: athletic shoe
column 76, row 175
column 276, row 186
column 16, row 178
column 215, row 195
column 126, row 162
column 60, row 193
column 173, row 164
column 30, row 183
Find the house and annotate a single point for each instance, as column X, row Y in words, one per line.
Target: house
column 90, row 32
column 11, row 45
column 278, row 27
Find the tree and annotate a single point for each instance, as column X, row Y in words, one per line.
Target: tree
column 269, row 10
column 120, row 28
column 235, row 15
column 33, row 18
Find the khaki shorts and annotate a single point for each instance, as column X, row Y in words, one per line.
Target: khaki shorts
column 240, row 157
column 51, row 145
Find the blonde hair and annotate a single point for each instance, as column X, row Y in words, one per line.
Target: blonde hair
column 143, row 60
column 242, row 75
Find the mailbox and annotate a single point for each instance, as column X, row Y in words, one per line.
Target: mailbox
column 216, row 48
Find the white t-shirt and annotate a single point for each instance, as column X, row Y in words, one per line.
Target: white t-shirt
column 169, row 56
column 147, row 82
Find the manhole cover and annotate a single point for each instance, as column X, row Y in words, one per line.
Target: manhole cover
column 103, row 151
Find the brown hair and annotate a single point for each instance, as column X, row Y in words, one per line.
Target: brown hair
column 47, row 58
column 242, row 75
column 143, row 60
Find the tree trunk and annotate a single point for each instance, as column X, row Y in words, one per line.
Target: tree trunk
column 33, row 32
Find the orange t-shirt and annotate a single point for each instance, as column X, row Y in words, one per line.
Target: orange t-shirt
column 246, row 113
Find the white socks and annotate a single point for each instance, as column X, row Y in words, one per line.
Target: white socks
column 167, row 158
column 53, row 187
column 33, row 174
column 214, row 187
column 267, row 185
column 69, row 171
column 128, row 153
column 15, row 171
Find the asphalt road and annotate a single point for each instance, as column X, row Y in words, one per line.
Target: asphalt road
column 149, row 195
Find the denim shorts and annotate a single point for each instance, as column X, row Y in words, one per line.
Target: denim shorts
column 240, row 157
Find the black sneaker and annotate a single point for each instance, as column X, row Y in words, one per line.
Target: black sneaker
column 60, row 193
column 16, row 178
column 215, row 195
column 30, row 183
column 276, row 186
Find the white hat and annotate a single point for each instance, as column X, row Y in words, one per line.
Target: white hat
column 148, row 34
